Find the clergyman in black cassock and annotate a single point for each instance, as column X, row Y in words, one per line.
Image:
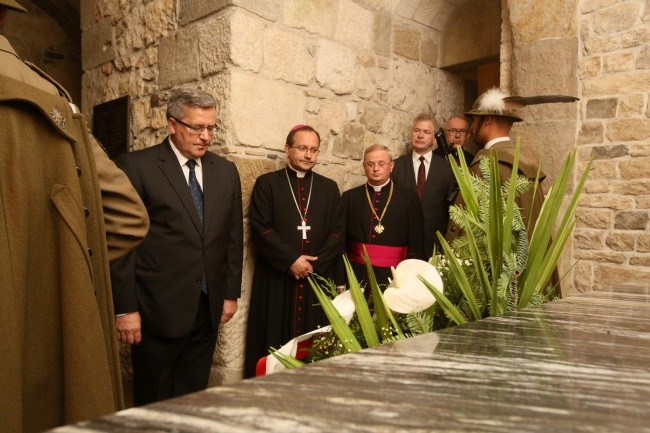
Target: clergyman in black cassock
column 297, row 228
column 394, row 231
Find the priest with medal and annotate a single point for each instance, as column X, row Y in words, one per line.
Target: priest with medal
column 297, row 228
column 383, row 217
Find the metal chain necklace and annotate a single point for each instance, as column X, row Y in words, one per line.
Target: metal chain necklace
column 302, row 227
column 379, row 228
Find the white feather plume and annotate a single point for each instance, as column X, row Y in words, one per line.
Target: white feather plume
column 492, row 101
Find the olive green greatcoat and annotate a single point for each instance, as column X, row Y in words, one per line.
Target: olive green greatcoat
column 59, row 361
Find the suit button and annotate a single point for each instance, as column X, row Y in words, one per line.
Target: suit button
column 205, row 251
column 78, row 171
column 86, row 211
column 90, row 251
column 199, row 280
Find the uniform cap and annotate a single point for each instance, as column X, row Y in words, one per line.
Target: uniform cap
column 495, row 102
column 13, row 4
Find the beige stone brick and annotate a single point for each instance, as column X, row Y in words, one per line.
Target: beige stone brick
column 596, row 186
column 619, row 83
column 429, row 49
column 608, row 275
column 97, row 44
column 534, row 20
column 373, row 117
column 192, row 10
column 588, row 239
column 607, row 201
column 635, row 168
column 641, row 149
column 553, row 59
column 608, row 152
column 635, row 37
column 412, row 85
column 263, row 111
column 214, row 44
column 591, row 132
column 621, row 241
column 643, row 243
column 349, row 144
column 315, row 16
column 643, row 62
column 178, row 56
column 597, row 219
column 601, row 169
column 335, row 67
column 633, row 187
column 366, row 60
column 587, row 6
column 246, row 43
column 287, row 57
column 631, row 220
column 628, row 129
column 618, row 62
column 407, row 8
column 435, row 13
column 365, row 87
column 582, row 277
column 640, row 261
column 631, row 105
column 381, row 33
column 354, row 26
column 406, row 42
column 600, row 256
column 601, row 108
column 617, row 18
column 601, row 44
column 643, row 202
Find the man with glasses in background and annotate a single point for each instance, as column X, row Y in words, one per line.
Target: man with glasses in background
column 172, row 293
column 382, row 217
column 457, row 134
column 428, row 175
column 297, row 228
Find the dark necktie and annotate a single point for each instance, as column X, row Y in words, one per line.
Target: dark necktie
column 195, row 189
column 197, row 197
column 422, row 177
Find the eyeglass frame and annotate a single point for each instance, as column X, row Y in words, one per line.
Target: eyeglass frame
column 198, row 129
column 459, row 132
column 380, row 164
column 305, row 149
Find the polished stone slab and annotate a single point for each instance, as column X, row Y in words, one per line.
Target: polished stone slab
column 580, row 364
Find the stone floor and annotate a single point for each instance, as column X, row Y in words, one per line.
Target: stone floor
column 580, row 364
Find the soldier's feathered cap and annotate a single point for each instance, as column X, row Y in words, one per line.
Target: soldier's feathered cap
column 13, row 4
column 496, row 102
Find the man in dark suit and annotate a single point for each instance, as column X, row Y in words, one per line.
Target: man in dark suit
column 185, row 277
column 457, row 134
column 428, row 175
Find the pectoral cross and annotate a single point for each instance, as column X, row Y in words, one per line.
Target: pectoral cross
column 304, row 227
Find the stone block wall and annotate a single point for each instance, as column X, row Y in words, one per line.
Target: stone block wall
column 612, row 241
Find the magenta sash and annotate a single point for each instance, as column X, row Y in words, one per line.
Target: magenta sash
column 380, row 255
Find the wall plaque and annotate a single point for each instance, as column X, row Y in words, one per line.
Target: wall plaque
column 111, row 122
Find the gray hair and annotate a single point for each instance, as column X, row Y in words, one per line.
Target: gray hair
column 375, row 147
column 188, row 97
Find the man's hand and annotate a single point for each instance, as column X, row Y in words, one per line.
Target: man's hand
column 129, row 328
column 229, row 309
column 302, row 267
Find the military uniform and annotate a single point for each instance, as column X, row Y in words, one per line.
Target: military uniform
column 65, row 209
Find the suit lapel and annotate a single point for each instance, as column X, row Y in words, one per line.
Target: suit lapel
column 410, row 172
column 174, row 173
column 210, row 187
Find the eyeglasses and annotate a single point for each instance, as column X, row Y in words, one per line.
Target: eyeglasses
column 455, row 131
column 305, row 149
column 380, row 164
column 198, row 129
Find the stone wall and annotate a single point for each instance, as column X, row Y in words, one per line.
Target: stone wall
column 612, row 242
column 360, row 70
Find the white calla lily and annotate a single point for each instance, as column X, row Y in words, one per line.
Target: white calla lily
column 406, row 293
column 344, row 305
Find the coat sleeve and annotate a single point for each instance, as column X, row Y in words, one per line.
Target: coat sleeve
column 270, row 245
column 235, row 247
column 125, row 216
column 125, row 299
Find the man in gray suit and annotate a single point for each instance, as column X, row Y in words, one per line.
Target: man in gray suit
column 185, row 277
